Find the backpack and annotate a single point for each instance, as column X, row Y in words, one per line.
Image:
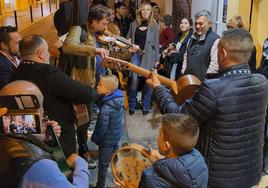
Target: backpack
column 67, row 62
column 70, row 13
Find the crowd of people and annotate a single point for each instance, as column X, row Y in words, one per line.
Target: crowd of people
column 217, row 138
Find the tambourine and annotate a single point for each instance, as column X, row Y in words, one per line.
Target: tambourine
column 129, row 162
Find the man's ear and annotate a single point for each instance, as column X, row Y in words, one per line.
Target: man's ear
column 3, row 46
column 94, row 22
column 167, row 146
column 224, row 51
column 40, row 53
column 210, row 23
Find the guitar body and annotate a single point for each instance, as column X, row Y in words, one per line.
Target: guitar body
column 81, row 114
column 187, row 85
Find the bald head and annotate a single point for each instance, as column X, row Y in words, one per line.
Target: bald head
column 22, row 87
column 35, row 48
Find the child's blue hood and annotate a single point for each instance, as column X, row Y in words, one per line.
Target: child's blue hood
column 115, row 99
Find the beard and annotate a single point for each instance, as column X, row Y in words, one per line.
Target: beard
column 14, row 53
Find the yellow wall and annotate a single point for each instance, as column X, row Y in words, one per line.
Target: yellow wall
column 259, row 28
column 17, row 5
column 22, row 4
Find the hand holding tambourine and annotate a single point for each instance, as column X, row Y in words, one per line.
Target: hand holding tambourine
column 129, row 162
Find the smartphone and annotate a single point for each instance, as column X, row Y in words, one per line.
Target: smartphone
column 19, row 102
column 21, row 124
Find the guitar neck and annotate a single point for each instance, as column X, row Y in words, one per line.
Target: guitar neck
column 145, row 73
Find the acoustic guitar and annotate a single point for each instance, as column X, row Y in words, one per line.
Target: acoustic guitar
column 181, row 89
column 80, row 114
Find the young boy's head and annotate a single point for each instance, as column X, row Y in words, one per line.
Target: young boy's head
column 107, row 84
column 178, row 135
column 166, row 21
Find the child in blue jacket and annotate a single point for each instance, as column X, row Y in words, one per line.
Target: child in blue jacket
column 107, row 132
column 184, row 166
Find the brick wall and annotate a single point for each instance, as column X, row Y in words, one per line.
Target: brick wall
column 181, row 8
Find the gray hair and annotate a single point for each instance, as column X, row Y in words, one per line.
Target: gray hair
column 205, row 13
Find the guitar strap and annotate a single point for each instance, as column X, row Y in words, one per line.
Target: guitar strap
column 58, row 155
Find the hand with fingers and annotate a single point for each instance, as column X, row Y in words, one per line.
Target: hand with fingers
column 103, row 52
column 55, row 126
column 153, row 81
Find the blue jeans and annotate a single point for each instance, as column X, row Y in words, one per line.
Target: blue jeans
column 133, row 88
column 105, row 156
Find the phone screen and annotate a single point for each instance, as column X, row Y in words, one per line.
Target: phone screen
column 21, row 124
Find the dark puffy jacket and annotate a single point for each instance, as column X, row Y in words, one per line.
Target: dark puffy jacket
column 231, row 111
column 187, row 171
column 107, row 132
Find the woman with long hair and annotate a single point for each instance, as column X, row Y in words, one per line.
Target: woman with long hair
column 174, row 54
column 143, row 32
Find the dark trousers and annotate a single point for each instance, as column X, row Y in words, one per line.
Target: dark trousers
column 82, row 136
column 105, row 156
column 67, row 139
column 133, row 88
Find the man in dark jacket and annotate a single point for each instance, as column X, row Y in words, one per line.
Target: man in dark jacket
column 9, row 51
column 59, row 90
column 30, row 161
column 107, row 132
column 201, row 54
column 264, row 70
column 230, row 110
column 184, row 166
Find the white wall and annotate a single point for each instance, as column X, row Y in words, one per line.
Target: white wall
column 198, row 5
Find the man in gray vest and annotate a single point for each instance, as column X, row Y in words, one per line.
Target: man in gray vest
column 200, row 58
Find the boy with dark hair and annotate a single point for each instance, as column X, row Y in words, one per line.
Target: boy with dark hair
column 120, row 18
column 107, row 132
column 183, row 166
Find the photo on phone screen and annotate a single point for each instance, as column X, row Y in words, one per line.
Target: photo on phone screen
column 21, row 124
